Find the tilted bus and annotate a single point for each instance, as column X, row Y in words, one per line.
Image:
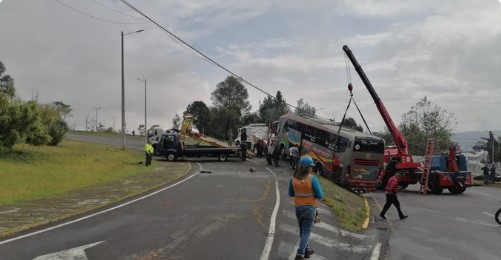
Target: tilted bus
column 355, row 161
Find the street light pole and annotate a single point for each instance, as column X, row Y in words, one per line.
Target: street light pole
column 114, row 118
column 145, row 125
column 123, row 89
column 96, row 108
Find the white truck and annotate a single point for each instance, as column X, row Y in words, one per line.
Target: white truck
column 155, row 133
column 251, row 134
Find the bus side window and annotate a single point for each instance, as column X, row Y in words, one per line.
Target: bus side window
column 322, row 138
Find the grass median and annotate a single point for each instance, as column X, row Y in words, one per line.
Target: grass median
column 349, row 207
column 44, row 184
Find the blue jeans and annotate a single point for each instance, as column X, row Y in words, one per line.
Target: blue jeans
column 305, row 216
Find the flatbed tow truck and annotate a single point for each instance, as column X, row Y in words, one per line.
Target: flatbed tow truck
column 186, row 143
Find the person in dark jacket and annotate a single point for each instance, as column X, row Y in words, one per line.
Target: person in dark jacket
column 493, row 173
column 243, row 151
column 485, row 171
column 276, row 154
column 391, row 197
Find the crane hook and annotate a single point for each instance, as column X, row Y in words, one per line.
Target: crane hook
column 350, row 88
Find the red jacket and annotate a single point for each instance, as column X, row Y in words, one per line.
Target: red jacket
column 392, row 185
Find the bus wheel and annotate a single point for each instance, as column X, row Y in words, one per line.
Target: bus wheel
column 319, row 170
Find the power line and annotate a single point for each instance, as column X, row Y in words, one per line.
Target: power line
column 199, row 52
column 116, row 11
column 94, row 17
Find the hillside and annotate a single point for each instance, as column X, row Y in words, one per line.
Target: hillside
column 467, row 140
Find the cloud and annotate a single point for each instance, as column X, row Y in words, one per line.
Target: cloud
column 445, row 50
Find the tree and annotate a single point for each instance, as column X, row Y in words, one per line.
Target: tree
column 251, row 119
column 272, row 108
column 58, row 126
column 200, row 113
column 492, row 147
column 62, row 109
column 351, row 123
column 426, row 120
column 6, row 83
column 230, row 99
column 386, row 135
column 304, row 109
column 141, row 129
column 176, row 122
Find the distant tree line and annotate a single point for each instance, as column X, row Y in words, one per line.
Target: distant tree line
column 231, row 110
column 28, row 121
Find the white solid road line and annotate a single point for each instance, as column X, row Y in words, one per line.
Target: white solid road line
column 488, row 214
column 100, row 212
column 265, row 255
column 376, row 251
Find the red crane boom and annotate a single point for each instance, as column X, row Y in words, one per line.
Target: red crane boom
column 402, row 150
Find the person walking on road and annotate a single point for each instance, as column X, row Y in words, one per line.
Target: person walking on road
column 485, row 170
column 243, row 151
column 148, row 149
column 276, row 154
column 306, row 189
column 294, row 156
column 391, row 196
column 493, row 173
column 269, row 154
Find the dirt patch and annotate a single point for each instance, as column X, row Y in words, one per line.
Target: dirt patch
column 26, row 215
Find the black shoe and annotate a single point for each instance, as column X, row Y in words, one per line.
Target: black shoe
column 382, row 215
column 403, row 216
column 308, row 253
column 299, row 257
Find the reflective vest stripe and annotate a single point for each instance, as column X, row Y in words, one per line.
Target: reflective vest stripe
column 304, row 195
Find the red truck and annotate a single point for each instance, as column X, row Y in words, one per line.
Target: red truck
column 444, row 173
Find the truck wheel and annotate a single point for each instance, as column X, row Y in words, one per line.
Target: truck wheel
column 171, row 157
column 433, row 187
column 458, row 187
column 404, row 185
column 497, row 216
column 223, row 157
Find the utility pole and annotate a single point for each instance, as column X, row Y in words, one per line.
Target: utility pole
column 145, row 125
column 122, row 34
column 96, row 108
column 114, row 118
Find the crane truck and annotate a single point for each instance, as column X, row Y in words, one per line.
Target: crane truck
column 186, row 143
column 444, row 168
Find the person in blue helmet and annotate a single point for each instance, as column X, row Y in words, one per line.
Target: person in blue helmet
column 306, row 189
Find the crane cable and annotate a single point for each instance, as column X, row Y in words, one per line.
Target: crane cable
column 350, row 87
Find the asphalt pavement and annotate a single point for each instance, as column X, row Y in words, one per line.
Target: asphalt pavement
column 221, row 210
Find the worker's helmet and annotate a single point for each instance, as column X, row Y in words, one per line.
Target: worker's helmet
column 306, row 160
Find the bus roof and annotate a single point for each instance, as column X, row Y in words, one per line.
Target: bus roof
column 326, row 125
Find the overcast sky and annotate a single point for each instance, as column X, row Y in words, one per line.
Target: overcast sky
column 69, row 51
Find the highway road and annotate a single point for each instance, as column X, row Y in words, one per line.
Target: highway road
column 442, row 226
column 222, row 210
